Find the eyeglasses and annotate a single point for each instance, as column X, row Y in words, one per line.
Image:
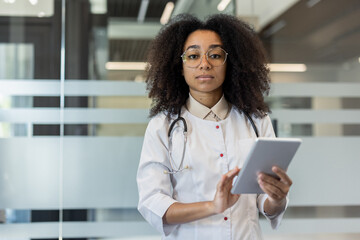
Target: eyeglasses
column 216, row 57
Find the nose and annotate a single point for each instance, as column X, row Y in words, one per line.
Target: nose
column 204, row 63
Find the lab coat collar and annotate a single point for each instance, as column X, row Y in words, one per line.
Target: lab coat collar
column 220, row 109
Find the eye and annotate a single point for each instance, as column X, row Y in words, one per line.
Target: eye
column 192, row 56
column 215, row 56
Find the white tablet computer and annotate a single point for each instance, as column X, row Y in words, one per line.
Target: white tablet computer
column 264, row 154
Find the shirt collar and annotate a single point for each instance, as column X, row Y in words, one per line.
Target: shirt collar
column 221, row 108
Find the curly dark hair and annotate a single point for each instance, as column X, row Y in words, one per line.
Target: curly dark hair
column 247, row 76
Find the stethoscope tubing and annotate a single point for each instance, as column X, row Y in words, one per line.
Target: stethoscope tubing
column 174, row 168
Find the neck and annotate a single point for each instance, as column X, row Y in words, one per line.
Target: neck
column 207, row 99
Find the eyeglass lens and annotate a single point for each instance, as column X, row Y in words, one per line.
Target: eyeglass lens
column 215, row 56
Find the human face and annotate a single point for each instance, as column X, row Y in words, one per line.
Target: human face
column 204, row 79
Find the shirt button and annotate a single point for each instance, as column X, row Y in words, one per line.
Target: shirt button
column 225, row 218
column 217, row 126
column 221, row 155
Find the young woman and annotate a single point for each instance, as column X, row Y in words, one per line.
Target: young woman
column 207, row 81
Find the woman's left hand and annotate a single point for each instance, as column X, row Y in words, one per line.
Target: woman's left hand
column 276, row 187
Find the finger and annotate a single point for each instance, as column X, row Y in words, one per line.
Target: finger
column 226, row 182
column 275, row 182
column 272, row 191
column 221, row 183
column 234, row 197
column 282, row 174
column 227, row 178
column 233, row 172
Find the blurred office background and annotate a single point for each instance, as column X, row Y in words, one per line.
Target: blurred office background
column 73, row 111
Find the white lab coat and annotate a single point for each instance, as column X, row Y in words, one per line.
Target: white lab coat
column 212, row 149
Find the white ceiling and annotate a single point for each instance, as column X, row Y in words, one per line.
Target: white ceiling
column 264, row 10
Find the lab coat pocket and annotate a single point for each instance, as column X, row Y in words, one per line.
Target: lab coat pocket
column 243, row 149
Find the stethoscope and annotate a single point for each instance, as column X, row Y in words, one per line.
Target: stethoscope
column 179, row 168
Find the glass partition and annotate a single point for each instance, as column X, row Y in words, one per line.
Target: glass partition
column 74, row 109
column 29, row 119
column 314, row 56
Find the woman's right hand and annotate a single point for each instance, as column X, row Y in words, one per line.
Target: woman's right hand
column 179, row 213
column 223, row 197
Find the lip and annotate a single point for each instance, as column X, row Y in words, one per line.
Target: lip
column 204, row 77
